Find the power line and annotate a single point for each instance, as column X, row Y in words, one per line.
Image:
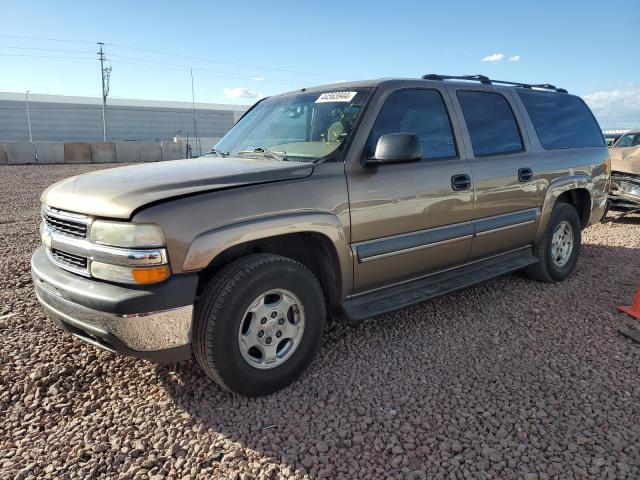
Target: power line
column 43, row 56
column 175, row 68
column 45, row 49
column 204, row 59
column 24, row 37
column 159, row 52
column 149, row 63
column 185, row 68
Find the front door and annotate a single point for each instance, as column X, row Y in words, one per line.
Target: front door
column 408, row 219
column 504, row 168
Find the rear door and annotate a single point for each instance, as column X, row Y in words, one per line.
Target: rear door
column 504, row 169
column 408, row 219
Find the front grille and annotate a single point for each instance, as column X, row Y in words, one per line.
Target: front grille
column 625, row 174
column 68, row 259
column 61, row 223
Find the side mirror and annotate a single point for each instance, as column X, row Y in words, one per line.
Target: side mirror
column 396, row 148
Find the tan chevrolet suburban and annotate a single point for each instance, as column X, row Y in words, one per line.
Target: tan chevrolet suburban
column 351, row 200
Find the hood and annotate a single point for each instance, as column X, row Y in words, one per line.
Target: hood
column 626, row 159
column 118, row 192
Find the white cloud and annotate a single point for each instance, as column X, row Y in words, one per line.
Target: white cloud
column 241, row 92
column 515, row 58
column 616, row 108
column 340, row 81
column 496, row 57
column 258, row 79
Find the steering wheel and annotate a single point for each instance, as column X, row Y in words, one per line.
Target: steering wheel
column 335, row 132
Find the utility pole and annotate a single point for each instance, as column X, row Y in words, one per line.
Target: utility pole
column 105, row 74
column 195, row 122
column 26, row 100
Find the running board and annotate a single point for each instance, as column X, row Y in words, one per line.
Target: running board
column 409, row 293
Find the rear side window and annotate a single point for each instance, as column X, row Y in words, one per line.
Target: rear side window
column 561, row 120
column 491, row 123
column 420, row 112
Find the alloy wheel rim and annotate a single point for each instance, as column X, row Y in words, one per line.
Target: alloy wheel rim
column 271, row 328
column 562, row 244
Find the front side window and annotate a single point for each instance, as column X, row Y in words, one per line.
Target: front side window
column 420, row 112
column 628, row 140
column 306, row 126
column 491, row 123
column 561, row 120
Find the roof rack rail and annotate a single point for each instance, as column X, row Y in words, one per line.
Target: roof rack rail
column 488, row 81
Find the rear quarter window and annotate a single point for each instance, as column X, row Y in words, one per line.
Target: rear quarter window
column 561, row 120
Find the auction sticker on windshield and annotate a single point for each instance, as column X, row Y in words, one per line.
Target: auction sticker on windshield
column 336, row 97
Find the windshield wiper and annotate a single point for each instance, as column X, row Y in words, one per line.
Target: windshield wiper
column 265, row 152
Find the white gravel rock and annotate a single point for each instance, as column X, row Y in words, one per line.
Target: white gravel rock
column 510, row 379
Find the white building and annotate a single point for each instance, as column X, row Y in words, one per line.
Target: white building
column 59, row 118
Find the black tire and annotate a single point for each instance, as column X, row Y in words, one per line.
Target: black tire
column 218, row 317
column 546, row 270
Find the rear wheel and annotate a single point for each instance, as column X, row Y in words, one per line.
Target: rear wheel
column 258, row 324
column 559, row 248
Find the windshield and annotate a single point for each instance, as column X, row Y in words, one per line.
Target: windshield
column 629, row 140
column 307, row 126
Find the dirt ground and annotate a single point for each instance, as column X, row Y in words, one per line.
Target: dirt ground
column 510, row 379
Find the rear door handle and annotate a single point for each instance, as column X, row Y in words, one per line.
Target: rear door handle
column 525, row 174
column 461, row 182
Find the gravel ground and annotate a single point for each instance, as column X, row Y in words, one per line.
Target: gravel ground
column 511, row 379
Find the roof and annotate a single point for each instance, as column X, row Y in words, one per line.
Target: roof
column 461, row 80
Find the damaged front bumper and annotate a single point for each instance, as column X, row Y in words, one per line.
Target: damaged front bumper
column 625, row 191
column 153, row 322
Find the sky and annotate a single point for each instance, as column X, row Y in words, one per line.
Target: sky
column 240, row 51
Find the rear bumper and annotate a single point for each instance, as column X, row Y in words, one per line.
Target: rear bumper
column 153, row 323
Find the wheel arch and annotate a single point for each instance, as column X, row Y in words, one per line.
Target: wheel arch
column 576, row 190
column 316, row 240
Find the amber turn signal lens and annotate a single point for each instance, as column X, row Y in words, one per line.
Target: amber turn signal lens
column 150, row 275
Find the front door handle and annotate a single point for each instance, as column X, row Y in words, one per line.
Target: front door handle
column 525, row 175
column 461, row 182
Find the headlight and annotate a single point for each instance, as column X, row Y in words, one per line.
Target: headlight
column 628, row 187
column 128, row 235
column 132, row 275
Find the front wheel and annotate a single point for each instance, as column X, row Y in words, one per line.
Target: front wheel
column 258, row 324
column 559, row 247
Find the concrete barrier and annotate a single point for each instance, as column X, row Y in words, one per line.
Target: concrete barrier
column 77, row 152
column 150, row 152
column 49, row 152
column 103, row 152
column 19, row 153
column 172, row 150
column 127, row 152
